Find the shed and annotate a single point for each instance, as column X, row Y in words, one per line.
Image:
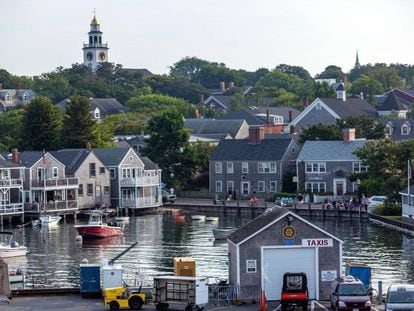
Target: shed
column 280, row 241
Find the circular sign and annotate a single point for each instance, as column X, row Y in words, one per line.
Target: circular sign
column 289, row 232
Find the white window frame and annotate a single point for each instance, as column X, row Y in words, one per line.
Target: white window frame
column 261, row 186
column 251, row 265
column 230, row 185
column 40, row 173
column 315, row 186
column 55, row 172
column 357, row 167
column 405, row 130
column 4, row 174
column 126, row 173
column 273, row 186
column 230, row 168
column 388, row 130
column 292, row 149
column 219, row 186
column 245, row 167
column 7, row 97
column 315, row 167
column 318, row 106
column 218, row 167
column 266, row 167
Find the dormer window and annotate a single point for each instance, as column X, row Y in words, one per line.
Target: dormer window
column 25, row 97
column 7, row 97
column 318, row 106
column 405, row 129
column 388, row 130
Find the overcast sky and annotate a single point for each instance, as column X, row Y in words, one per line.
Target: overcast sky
column 39, row 35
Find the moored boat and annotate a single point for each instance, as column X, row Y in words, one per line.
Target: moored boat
column 198, row 217
column 212, row 219
column 222, row 233
column 16, row 276
column 9, row 247
column 47, row 220
column 122, row 218
column 97, row 228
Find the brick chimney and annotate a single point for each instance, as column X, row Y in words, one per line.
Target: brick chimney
column 222, row 86
column 15, row 156
column 348, row 135
column 292, row 129
column 256, row 134
column 290, row 116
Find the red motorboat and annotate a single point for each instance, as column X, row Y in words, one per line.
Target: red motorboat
column 97, row 228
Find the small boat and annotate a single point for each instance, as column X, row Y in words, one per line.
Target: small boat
column 212, row 219
column 223, row 233
column 16, row 276
column 47, row 220
column 9, row 247
column 97, row 228
column 122, row 218
column 198, row 217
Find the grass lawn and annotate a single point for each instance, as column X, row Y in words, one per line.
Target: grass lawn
column 394, row 217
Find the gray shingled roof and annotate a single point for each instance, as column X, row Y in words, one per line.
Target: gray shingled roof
column 107, row 106
column 252, row 118
column 256, row 224
column 330, row 150
column 8, row 164
column 111, row 156
column 29, row 158
column 213, row 126
column 223, row 99
column 148, row 164
column 351, row 107
column 242, row 150
column 392, row 102
column 71, row 158
column 243, row 114
column 396, row 129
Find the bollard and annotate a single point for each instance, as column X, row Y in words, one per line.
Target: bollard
column 379, row 296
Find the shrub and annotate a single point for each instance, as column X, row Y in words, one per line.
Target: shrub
column 387, row 209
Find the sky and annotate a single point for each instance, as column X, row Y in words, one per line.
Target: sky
column 40, row 35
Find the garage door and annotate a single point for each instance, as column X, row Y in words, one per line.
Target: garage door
column 277, row 261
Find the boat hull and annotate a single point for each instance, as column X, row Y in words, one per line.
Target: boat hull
column 13, row 252
column 89, row 231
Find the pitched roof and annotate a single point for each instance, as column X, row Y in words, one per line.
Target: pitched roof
column 340, row 87
column 213, row 126
column 350, row 107
column 330, row 150
column 148, row 164
column 111, row 156
column 392, row 102
column 258, row 116
column 224, row 100
column 396, row 129
column 7, row 164
column 107, row 106
column 243, row 150
column 29, row 158
column 71, row 158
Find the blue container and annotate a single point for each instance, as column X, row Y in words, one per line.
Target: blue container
column 90, row 280
column 360, row 271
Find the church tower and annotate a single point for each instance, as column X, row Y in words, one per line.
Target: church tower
column 95, row 52
column 357, row 64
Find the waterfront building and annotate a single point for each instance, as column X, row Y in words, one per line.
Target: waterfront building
column 11, row 189
column 276, row 242
column 135, row 181
column 46, row 187
column 93, row 176
column 253, row 166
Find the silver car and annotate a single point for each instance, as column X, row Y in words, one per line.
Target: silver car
column 400, row 297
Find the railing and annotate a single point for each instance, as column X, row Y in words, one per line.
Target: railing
column 223, row 294
column 11, row 208
column 140, row 181
column 10, row 182
column 141, row 202
column 51, row 206
column 95, row 45
column 53, row 183
column 392, row 222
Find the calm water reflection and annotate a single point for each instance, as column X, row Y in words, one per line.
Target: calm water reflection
column 55, row 255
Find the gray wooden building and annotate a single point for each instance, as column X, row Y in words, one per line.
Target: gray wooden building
column 280, row 241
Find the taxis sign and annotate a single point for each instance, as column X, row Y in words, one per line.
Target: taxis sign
column 317, row 242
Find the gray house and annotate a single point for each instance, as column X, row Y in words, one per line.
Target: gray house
column 12, row 98
column 11, row 188
column 324, row 166
column 135, row 181
column 328, row 110
column 399, row 130
column 253, row 166
column 94, row 180
column 280, row 241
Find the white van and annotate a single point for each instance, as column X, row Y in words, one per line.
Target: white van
column 400, row 297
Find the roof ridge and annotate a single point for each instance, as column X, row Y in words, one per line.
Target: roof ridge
column 75, row 159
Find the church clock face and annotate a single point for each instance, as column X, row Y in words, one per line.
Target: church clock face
column 89, row 56
column 102, row 56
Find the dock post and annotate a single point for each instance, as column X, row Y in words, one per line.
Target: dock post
column 323, row 209
column 379, row 295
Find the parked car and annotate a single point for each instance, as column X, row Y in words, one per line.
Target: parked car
column 375, row 200
column 400, row 297
column 168, row 197
column 350, row 294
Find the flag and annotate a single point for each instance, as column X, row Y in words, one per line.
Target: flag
column 409, row 174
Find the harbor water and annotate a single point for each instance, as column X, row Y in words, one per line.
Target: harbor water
column 54, row 254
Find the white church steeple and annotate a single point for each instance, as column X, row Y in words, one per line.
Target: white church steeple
column 95, row 52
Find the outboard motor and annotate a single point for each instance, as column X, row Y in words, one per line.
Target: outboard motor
column 15, row 244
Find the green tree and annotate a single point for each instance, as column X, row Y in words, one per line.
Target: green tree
column 368, row 86
column 125, row 123
column 320, row 132
column 187, row 67
column 79, row 128
column 237, row 102
column 41, row 127
column 10, row 129
column 332, row 72
column 54, row 85
column 169, row 147
column 365, row 127
column 295, row 70
column 323, row 90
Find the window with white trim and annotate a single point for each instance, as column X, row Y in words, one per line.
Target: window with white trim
column 315, row 187
column 4, row 174
column 388, row 130
column 126, row 173
column 315, row 167
column 25, row 97
column 230, row 169
column 357, row 167
column 230, row 185
column 55, row 172
column 7, row 97
column 292, row 149
column 219, row 168
column 245, row 167
column 318, row 106
column 251, row 266
column 80, row 190
column 261, row 186
column 267, row 167
column 405, row 129
column 273, row 185
column 219, row 186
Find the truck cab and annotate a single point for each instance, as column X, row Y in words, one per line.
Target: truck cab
column 123, row 298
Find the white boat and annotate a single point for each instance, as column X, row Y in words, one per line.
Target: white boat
column 223, row 233
column 212, row 219
column 198, row 217
column 122, row 218
column 47, row 220
column 10, row 248
column 16, row 276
